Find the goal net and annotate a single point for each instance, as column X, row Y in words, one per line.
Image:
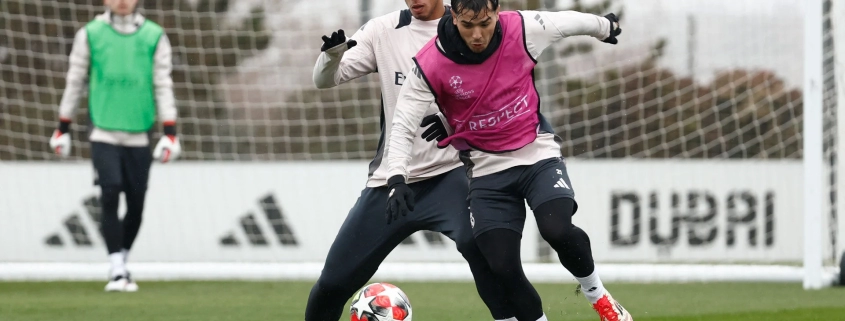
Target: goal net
column 685, row 141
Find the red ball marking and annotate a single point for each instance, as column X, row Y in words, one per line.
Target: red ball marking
column 399, row 313
column 364, row 317
column 383, row 301
column 373, row 290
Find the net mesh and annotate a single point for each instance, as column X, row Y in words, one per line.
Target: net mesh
column 693, row 81
column 244, row 92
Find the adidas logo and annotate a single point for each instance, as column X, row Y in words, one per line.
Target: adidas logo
column 561, row 184
column 254, row 233
column 540, row 20
column 75, row 226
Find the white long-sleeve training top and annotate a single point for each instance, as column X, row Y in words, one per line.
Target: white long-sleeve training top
column 77, row 80
column 386, row 45
column 541, row 30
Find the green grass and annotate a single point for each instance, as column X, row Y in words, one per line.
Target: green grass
column 203, row 301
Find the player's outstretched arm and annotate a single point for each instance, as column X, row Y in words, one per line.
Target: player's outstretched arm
column 75, row 80
column 414, row 100
column 542, row 28
column 343, row 59
column 168, row 147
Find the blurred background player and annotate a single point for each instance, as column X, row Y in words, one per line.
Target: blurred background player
column 479, row 70
column 386, row 45
column 126, row 61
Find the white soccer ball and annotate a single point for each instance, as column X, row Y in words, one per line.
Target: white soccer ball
column 380, row 302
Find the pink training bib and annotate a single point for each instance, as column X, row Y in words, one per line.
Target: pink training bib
column 492, row 106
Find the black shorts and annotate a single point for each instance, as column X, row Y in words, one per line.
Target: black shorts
column 121, row 166
column 498, row 200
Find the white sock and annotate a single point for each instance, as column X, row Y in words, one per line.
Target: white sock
column 543, row 318
column 508, row 319
column 117, row 265
column 592, row 287
column 125, row 253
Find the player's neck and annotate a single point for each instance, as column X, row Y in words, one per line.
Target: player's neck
column 119, row 18
column 438, row 13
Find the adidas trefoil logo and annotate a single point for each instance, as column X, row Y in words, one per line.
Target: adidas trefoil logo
column 253, row 231
column 561, row 184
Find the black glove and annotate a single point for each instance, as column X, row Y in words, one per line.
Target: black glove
column 614, row 31
column 400, row 200
column 436, row 131
column 338, row 38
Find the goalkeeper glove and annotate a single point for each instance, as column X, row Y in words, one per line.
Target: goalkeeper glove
column 614, row 29
column 338, row 38
column 400, row 201
column 437, row 130
column 60, row 141
column 168, row 147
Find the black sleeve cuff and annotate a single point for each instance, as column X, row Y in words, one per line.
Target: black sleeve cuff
column 170, row 130
column 64, row 127
column 396, row 179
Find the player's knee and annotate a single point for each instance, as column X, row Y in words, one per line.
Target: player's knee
column 504, row 266
column 580, row 236
column 109, row 195
column 326, row 287
column 554, row 220
column 562, row 236
column 557, row 233
column 335, row 284
column 133, row 217
column 134, row 206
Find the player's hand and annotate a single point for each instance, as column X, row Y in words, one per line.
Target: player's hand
column 400, row 199
column 167, row 149
column 60, row 143
column 615, row 30
column 436, row 131
column 338, row 38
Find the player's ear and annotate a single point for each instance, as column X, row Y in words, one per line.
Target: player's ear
column 454, row 17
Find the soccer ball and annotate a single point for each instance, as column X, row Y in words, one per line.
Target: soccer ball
column 380, row 302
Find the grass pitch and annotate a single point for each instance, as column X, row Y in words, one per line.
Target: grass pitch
column 255, row 301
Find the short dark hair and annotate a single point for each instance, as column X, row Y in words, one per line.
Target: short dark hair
column 478, row 6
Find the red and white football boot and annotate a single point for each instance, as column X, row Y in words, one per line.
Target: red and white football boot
column 610, row 310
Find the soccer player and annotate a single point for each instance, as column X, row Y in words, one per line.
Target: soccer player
column 126, row 61
column 479, row 71
column 386, row 45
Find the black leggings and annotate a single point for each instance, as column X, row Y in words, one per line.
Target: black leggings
column 364, row 241
column 501, row 247
column 120, row 235
column 121, row 169
column 554, row 219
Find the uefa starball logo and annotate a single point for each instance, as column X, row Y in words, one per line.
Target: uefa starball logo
column 456, row 82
